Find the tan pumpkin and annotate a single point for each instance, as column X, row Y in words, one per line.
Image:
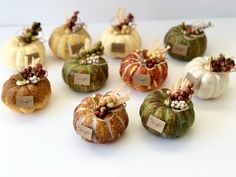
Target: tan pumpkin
column 122, row 38
column 67, row 39
column 101, row 119
column 26, row 92
column 20, row 51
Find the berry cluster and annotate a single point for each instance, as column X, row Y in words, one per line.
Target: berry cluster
column 107, row 102
column 30, row 34
column 96, row 50
column 72, row 21
column 183, row 94
column 129, row 19
column 196, row 28
column 30, row 71
column 151, row 63
column 221, row 64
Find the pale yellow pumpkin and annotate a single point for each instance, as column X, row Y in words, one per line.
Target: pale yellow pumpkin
column 15, row 53
column 131, row 42
column 62, row 38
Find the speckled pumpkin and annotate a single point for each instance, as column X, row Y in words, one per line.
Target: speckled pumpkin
column 195, row 46
column 40, row 92
column 132, row 64
column 177, row 122
column 98, row 74
column 104, row 130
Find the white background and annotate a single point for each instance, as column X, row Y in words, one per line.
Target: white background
column 44, row 143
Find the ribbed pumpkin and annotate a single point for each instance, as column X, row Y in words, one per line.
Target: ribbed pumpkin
column 212, row 83
column 17, row 89
column 176, row 122
column 64, row 37
column 19, row 51
column 144, row 70
column 187, row 41
column 121, row 39
column 104, row 129
column 89, row 63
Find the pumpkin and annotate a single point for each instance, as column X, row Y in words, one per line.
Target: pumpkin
column 145, row 70
column 187, row 41
column 162, row 116
column 86, row 72
column 27, row 91
column 67, row 39
column 212, row 80
column 101, row 118
column 19, row 52
column 122, row 38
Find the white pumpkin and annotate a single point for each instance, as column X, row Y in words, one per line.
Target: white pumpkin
column 130, row 41
column 15, row 53
column 212, row 84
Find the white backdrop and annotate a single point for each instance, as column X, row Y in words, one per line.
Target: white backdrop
column 54, row 11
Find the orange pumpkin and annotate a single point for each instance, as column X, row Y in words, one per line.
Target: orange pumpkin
column 144, row 70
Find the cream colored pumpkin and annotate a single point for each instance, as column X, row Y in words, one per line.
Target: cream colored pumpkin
column 131, row 42
column 212, row 84
column 62, row 38
column 15, row 53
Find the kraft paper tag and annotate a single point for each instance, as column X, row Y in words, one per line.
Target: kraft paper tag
column 85, row 132
column 194, row 80
column 25, row 101
column 31, row 57
column 81, row 79
column 141, row 79
column 118, row 47
column 156, row 123
column 179, row 49
column 74, row 49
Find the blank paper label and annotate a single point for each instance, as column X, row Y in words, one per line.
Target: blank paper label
column 25, row 101
column 81, row 79
column 118, row 47
column 140, row 79
column 194, row 80
column 156, row 123
column 31, row 57
column 179, row 49
column 85, row 132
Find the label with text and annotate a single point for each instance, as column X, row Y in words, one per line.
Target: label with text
column 141, row 79
column 179, row 49
column 81, row 79
column 31, row 57
column 118, row 47
column 85, row 132
column 25, row 101
column 74, row 49
column 156, row 123
column 194, row 80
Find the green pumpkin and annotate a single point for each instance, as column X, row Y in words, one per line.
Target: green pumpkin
column 176, row 122
column 98, row 74
column 191, row 47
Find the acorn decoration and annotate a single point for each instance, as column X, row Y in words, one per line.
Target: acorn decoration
column 145, row 70
column 20, row 51
column 88, row 71
column 121, row 38
column 169, row 113
column 211, row 73
column 101, row 118
column 66, row 40
column 27, row 91
column 187, row 41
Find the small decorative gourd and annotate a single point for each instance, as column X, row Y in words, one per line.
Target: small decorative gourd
column 67, row 39
column 122, row 38
column 88, row 71
column 101, row 118
column 27, row 91
column 145, row 70
column 169, row 113
column 212, row 75
column 19, row 51
column 187, row 41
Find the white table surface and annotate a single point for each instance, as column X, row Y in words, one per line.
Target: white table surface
column 45, row 144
